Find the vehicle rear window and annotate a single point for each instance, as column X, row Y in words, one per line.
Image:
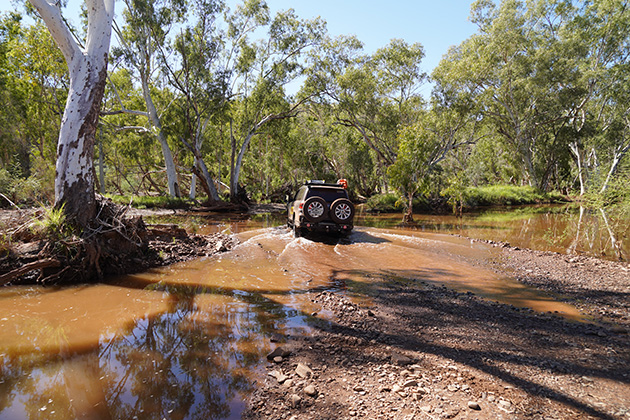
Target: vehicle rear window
column 301, row 193
column 328, row 194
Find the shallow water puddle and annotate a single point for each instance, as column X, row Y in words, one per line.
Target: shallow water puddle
column 49, row 320
column 191, row 338
column 445, row 260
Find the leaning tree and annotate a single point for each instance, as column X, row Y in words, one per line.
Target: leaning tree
column 87, row 66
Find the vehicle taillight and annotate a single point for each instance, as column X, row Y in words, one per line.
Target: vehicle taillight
column 301, row 205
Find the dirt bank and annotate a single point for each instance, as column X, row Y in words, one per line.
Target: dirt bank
column 122, row 244
column 418, row 351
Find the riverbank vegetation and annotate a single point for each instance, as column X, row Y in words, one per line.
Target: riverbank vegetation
column 467, row 199
column 241, row 104
column 149, row 201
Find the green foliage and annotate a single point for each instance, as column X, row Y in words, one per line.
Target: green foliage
column 147, row 202
column 52, row 225
column 456, row 193
column 490, row 162
column 36, row 188
column 6, row 182
column 6, row 243
column 541, row 86
column 384, row 203
column 617, row 193
column 394, row 203
column 507, row 195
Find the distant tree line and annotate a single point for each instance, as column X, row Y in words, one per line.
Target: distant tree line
column 210, row 102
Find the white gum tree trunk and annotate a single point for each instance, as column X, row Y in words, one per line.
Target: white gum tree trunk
column 171, row 171
column 87, row 66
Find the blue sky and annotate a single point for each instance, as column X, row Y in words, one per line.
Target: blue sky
column 436, row 24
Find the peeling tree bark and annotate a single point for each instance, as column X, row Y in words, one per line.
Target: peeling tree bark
column 87, row 66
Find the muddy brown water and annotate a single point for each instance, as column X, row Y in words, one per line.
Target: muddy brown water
column 189, row 341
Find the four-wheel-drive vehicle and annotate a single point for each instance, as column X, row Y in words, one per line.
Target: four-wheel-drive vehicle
column 321, row 207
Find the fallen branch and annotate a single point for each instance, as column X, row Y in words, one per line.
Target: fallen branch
column 56, row 276
column 35, row 265
column 11, row 203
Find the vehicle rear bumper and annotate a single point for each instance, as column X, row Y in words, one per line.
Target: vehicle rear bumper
column 327, row 227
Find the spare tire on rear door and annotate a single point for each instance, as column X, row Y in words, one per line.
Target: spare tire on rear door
column 315, row 209
column 342, row 210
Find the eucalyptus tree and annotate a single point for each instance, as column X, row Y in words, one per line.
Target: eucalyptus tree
column 10, row 29
column 40, row 72
column 131, row 159
column 614, row 118
column 376, row 95
column 325, row 150
column 87, row 65
column 222, row 75
column 33, row 82
column 602, row 28
column 147, row 27
column 261, row 69
column 524, row 77
column 428, row 142
column 195, row 73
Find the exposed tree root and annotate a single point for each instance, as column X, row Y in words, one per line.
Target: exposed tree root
column 113, row 244
column 25, row 269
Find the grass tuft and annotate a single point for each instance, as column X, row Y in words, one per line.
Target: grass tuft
column 53, row 224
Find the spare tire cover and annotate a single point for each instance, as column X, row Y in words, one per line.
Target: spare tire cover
column 315, row 209
column 342, row 210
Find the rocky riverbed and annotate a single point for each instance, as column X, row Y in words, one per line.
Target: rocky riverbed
column 420, row 351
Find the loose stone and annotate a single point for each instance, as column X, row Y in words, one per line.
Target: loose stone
column 278, row 352
column 474, row 405
column 400, row 360
column 310, row 391
column 505, row 404
column 295, row 400
column 280, row 377
column 303, row 371
column 409, row 383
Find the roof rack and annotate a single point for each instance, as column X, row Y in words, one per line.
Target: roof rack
column 321, row 183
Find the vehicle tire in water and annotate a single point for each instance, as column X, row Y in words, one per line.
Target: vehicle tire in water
column 342, row 211
column 315, row 209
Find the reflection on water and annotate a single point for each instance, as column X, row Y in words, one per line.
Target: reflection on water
column 569, row 229
column 188, row 341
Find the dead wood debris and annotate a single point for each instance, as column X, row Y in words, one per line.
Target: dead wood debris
column 114, row 244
